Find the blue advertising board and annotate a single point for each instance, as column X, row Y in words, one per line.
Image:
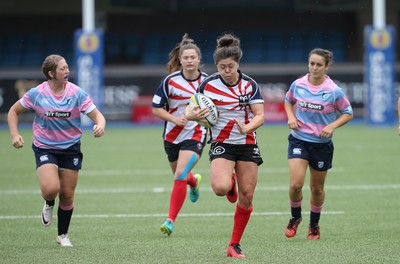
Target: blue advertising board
column 89, row 47
column 379, row 76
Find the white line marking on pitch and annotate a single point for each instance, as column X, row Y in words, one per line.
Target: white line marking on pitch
column 15, row 217
column 116, row 172
column 168, row 189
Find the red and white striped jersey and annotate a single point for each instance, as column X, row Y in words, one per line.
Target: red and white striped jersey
column 174, row 94
column 232, row 101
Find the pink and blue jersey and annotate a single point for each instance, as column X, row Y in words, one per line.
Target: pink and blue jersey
column 57, row 117
column 316, row 106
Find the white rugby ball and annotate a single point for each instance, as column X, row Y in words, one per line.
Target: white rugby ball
column 203, row 101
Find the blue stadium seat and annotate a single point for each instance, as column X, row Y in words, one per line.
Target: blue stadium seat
column 34, row 51
column 13, row 50
column 154, row 57
column 253, row 47
column 60, row 44
column 171, row 40
column 56, row 44
column 253, row 55
column 207, row 43
column 336, row 42
column 339, row 55
column 314, row 39
column 69, row 49
column 294, row 50
column 152, row 49
column 132, row 46
column 113, row 47
column 274, row 49
column 1, row 48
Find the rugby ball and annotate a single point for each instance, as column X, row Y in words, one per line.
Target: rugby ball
column 203, row 101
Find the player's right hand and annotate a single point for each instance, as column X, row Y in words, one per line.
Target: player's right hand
column 18, row 141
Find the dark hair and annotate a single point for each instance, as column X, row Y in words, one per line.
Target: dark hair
column 187, row 43
column 327, row 54
column 228, row 46
column 50, row 64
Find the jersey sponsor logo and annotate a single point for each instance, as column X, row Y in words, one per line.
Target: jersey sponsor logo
column 311, row 106
column 218, row 150
column 44, row 158
column 244, row 100
column 58, row 114
column 297, row 151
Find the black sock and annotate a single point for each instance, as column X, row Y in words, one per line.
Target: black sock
column 64, row 218
column 49, row 202
column 296, row 212
column 314, row 219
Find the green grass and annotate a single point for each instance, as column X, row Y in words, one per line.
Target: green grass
column 123, row 197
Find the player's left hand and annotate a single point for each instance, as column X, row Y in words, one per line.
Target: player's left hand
column 327, row 132
column 181, row 121
column 241, row 126
column 98, row 131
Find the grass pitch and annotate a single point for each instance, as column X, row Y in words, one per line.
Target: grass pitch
column 123, row 194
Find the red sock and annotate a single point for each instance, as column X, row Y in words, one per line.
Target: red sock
column 178, row 196
column 191, row 180
column 240, row 220
column 233, row 183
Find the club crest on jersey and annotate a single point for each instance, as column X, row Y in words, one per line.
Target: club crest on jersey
column 244, row 100
column 325, row 96
column 69, row 100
